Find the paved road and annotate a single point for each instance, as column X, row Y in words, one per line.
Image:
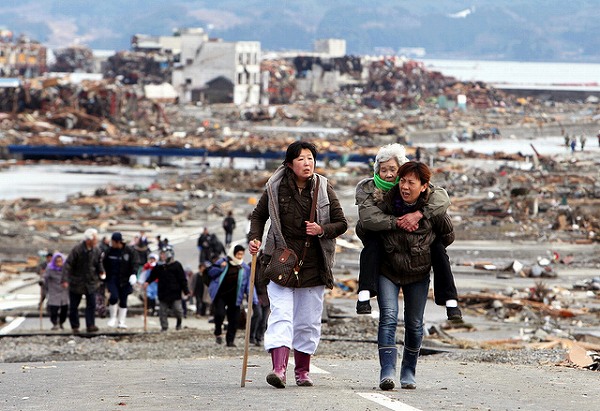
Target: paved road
column 215, row 383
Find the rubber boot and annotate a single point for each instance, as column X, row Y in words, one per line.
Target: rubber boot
column 388, row 357
column 408, row 369
column 112, row 310
column 302, row 368
column 122, row 317
column 280, row 357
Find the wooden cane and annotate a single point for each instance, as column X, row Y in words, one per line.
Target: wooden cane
column 248, row 319
column 145, row 311
column 41, row 314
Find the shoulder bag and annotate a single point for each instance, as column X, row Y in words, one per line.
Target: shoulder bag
column 284, row 266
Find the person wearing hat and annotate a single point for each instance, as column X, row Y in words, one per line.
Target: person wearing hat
column 118, row 262
column 172, row 283
column 229, row 283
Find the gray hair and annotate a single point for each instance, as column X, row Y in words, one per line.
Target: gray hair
column 385, row 153
column 90, row 234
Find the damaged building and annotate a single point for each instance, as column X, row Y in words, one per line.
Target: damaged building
column 205, row 69
column 23, row 57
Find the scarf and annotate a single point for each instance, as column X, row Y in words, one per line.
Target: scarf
column 232, row 259
column 52, row 265
column 383, row 185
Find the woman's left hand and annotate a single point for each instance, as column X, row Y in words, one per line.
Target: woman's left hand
column 313, row 229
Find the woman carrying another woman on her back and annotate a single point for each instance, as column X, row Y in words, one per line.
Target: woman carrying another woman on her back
column 406, row 266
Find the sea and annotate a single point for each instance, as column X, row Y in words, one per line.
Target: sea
column 56, row 182
column 504, row 74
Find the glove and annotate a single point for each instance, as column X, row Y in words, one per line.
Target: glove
column 132, row 279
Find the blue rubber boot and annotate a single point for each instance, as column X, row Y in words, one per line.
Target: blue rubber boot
column 388, row 356
column 408, row 369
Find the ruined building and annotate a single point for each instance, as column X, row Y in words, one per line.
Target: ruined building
column 22, row 57
column 205, row 69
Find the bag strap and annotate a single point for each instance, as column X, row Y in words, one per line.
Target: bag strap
column 313, row 209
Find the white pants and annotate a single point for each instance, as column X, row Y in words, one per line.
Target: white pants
column 295, row 319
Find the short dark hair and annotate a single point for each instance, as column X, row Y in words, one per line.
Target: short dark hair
column 295, row 148
column 419, row 169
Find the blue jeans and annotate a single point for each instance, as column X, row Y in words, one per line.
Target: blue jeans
column 118, row 293
column 415, row 298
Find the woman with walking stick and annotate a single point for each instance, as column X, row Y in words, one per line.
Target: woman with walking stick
column 292, row 192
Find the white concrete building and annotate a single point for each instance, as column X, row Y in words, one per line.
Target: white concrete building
column 215, row 71
column 330, row 47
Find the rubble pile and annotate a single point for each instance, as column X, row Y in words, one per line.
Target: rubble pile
column 135, row 67
column 282, row 80
column 73, row 59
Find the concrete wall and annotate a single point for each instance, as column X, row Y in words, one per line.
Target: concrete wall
column 203, row 61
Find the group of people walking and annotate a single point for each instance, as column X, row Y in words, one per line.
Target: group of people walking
column 90, row 270
column 403, row 224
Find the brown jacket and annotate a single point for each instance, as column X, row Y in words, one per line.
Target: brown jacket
column 407, row 256
column 293, row 211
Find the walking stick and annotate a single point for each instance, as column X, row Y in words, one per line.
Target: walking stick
column 248, row 319
column 145, row 311
column 41, row 314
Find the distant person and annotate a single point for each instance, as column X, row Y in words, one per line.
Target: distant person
column 141, row 250
column 172, row 285
column 41, row 272
column 573, row 144
column 228, row 226
column 189, row 276
column 216, row 248
column 230, row 277
column 152, row 289
column 598, row 136
column 582, row 141
column 82, row 273
column 56, row 292
column 260, row 315
column 159, row 242
column 118, row 262
column 204, row 245
column 200, row 281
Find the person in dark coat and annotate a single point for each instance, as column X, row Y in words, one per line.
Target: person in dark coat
column 172, row 283
column 406, row 267
column 119, row 263
column 197, row 286
column 228, row 226
column 55, row 291
column 295, row 319
column 230, row 281
column 82, row 273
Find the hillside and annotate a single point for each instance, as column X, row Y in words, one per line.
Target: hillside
column 523, row 30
